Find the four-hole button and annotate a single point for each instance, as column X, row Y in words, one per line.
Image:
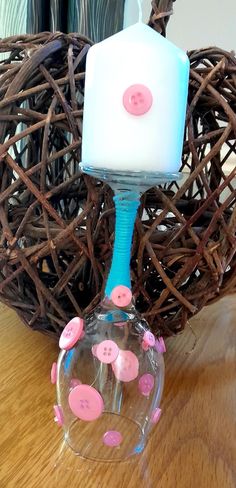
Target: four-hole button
column 107, row 351
column 72, row 332
column 86, row 402
column 137, row 99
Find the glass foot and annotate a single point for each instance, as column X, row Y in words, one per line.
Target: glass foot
column 139, row 181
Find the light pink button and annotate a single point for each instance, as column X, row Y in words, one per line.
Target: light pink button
column 149, row 338
column 74, row 382
column 121, row 296
column 155, row 417
column 59, row 419
column 107, row 351
column 54, row 373
column 71, row 333
column 137, row 99
column 94, row 350
column 145, row 384
column 160, row 345
column 112, row 438
column 126, row 366
column 120, row 324
column 86, row 403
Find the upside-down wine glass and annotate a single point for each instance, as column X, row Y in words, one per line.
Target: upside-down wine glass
column 110, row 371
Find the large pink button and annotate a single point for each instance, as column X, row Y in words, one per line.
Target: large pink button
column 59, row 419
column 155, row 417
column 149, row 338
column 54, row 373
column 126, row 366
column 160, row 345
column 145, row 384
column 107, row 351
column 86, row 403
column 112, row 438
column 121, row 296
column 137, row 99
column 71, row 333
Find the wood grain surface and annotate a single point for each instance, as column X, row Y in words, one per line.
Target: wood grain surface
column 194, row 444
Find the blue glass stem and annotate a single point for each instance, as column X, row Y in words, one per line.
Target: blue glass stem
column 126, row 205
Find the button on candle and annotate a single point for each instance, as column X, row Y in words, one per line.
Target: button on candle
column 134, row 118
column 137, row 99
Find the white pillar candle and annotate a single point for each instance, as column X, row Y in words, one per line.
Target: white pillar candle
column 135, row 102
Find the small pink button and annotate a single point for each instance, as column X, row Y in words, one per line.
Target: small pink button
column 120, row 324
column 149, row 338
column 54, row 373
column 126, row 366
column 74, row 382
column 146, row 384
column 155, row 417
column 107, row 351
column 112, row 438
column 160, row 345
column 71, row 333
column 137, row 99
column 86, row 403
column 59, row 419
column 94, row 350
column 121, row 296
column 145, row 346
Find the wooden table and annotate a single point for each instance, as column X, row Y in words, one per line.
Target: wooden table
column 194, row 444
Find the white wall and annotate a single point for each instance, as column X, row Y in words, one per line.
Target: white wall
column 196, row 23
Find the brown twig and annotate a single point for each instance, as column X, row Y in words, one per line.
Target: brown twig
column 57, row 225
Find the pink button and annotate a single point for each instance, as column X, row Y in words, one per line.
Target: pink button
column 54, row 373
column 137, row 99
column 145, row 346
column 156, row 415
column 121, row 296
column 146, row 384
column 126, row 366
column 160, row 345
column 59, row 419
column 94, row 350
column 120, row 324
column 149, row 338
column 74, row 382
column 107, row 351
column 112, row 438
column 86, row 403
column 71, row 333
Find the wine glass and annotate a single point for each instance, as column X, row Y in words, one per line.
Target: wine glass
column 110, row 372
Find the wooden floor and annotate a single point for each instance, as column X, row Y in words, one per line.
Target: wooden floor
column 194, row 444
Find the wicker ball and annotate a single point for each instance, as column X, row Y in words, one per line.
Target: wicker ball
column 57, row 226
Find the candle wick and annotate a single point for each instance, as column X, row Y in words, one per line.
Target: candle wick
column 140, row 9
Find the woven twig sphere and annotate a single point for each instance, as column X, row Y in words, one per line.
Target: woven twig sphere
column 57, row 225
